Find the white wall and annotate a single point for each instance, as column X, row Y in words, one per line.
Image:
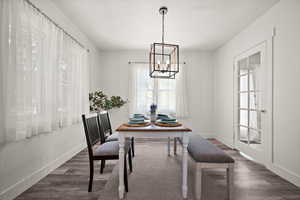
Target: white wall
column 24, row 162
column 285, row 16
column 115, row 70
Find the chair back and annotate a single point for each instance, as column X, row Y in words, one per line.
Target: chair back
column 105, row 123
column 92, row 131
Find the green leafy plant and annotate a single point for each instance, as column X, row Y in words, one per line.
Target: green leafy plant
column 100, row 101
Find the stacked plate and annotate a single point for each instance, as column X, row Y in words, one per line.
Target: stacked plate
column 165, row 119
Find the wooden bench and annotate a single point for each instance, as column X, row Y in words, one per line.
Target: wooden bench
column 205, row 155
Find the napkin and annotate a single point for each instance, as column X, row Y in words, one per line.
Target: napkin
column 162, row 116
column 138, row 115
column 168, row 122
column 168, row 119
column 136, row 120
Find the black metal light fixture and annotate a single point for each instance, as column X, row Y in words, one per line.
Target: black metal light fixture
column 164, row 58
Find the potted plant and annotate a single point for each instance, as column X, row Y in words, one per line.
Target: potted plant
column 99, row 101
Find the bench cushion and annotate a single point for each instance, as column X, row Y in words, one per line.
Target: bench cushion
column 202, row 150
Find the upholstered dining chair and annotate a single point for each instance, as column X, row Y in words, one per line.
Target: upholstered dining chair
column 100, row 150
column 109, row 135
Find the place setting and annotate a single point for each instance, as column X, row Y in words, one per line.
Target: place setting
column 162, row 120
column 138, row 120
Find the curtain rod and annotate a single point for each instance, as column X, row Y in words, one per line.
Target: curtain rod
column 57, row 25
column 144, row 62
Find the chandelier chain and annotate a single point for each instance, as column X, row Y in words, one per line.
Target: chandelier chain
column 163, row 28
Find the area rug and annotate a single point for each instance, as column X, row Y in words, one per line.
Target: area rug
column 157, row 176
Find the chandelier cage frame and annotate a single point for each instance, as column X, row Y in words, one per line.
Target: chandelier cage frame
column 163, row 57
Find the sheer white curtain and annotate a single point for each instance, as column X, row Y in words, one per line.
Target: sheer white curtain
column 182, row 110
column 170, row 95
column 141, row 88
column 44, row 80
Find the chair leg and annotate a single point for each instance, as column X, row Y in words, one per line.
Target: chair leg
column 125, row 174
column 91, row 175
column 169, row 146
column 132, row 146
column 130, row 160
column 102, row 166
column 175, row 146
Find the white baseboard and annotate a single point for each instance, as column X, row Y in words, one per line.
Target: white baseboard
column 14, row 190
column 225, row 141
column 279, row 170
column 285, row 174
column 205, row 134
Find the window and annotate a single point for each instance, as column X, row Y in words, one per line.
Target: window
column 168, row 94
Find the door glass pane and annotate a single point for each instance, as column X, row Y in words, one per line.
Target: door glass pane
column 255, row 139
column 254, row 100
column 254, row 77
column 244, row 83
column 243, row 134
column 244, row 117
column 254, row 59
column 244, row 100
column 253, row 119
column 243, row 71
column 254, row 136
column 243, row 66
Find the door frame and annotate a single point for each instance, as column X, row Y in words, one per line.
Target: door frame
column 267, row 135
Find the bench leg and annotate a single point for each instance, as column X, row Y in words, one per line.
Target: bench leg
column 230, row 184
column 175, row 146
column 198, row 182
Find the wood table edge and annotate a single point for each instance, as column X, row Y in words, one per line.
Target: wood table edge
column 121, row 128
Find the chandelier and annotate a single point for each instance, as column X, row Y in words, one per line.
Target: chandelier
column 163, row 57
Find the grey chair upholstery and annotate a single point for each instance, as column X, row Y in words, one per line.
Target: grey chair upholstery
column 109, row 149
column 113, row 137
column 109, row 136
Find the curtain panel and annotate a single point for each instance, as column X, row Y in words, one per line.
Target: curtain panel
column 44, row 74
column 170, row 95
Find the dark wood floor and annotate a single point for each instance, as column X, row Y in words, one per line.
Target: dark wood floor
column 70, row 181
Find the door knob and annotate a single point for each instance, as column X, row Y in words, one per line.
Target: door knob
column 263, row 111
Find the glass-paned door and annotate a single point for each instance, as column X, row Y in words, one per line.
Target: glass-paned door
column 248, row 97
column 250, row 80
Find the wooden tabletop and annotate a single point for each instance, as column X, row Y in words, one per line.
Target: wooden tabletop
column 152, row 128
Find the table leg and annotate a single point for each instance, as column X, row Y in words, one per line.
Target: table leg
column 169, row 146
column 121, row 165
column 185, row 141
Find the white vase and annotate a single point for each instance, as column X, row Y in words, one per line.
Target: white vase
column 152, row 117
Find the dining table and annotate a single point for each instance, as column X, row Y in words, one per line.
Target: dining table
column 154, row 131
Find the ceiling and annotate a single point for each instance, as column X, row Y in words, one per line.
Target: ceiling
column 135, row 24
